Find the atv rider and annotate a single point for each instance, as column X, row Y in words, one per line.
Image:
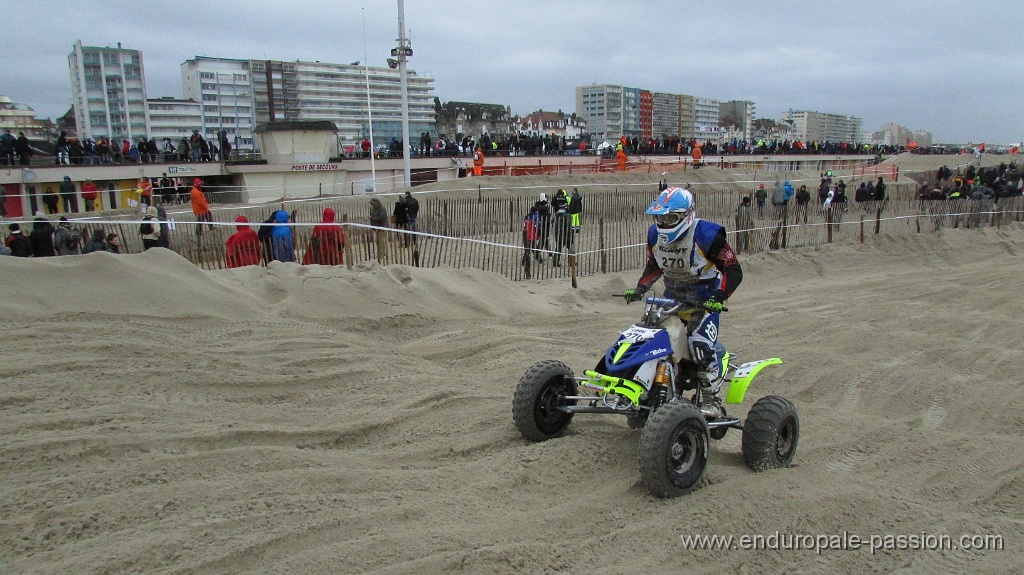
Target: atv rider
column 699, row 266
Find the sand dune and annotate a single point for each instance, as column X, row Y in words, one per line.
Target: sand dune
column 157, row 418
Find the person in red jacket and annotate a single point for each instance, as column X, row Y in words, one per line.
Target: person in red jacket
column 243, row 247
column 89, row 193
column 327, row 245
column 199, row 206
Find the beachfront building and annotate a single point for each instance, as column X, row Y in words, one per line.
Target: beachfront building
column 459, row 119
column 810, row 126
column 223, row 87
column 542, row 123
column 22, row 118
column 311, row 91
column 108, row 92
column 738, row 115
column 172, row 119
column 611, row 111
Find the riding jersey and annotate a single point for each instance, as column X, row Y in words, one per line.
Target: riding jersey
column 695, row 266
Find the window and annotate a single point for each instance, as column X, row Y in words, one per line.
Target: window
column 241, row 77
column 210, row 108
column 209, row 97
column 207, row 86
column 207, row 76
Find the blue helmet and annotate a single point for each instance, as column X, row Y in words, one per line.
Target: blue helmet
column 673, row 214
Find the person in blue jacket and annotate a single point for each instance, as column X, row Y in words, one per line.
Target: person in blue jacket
column 699, row 266
column 281, row 239
column 787, row 191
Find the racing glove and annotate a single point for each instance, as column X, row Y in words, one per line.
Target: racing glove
column 632, row 295
column 714, row 303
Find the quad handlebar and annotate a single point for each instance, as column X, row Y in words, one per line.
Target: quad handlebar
column 672, row 305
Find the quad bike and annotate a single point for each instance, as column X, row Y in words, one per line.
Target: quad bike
column 674, row 402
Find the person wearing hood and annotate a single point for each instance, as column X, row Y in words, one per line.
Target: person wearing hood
column 69, row 194
column 281, row 239
column 327, row 245
column 778, row 194
column 164, row 241
column 543, row 209
column 67, row 241
column 243, row 247
column 19, row 245
column 379, row 219
column 41, row 238
column 199, row 205
column 149, row 229
column 95, row 243
column 787, row 192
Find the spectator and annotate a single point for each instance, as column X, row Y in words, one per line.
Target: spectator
column 113, row 244
column 400, row 217
column 327, row 244
column 145, row 191
column 697, row 155
column 69, row 195
column 530, row 236
column 861, row 195
column 164, row 241
column 365, row 146
column 67, row 241
column 879, row 190
column 379, row 219
column 543, row 209
column 200, row 208
column 478, row 162
column 413, row 207
column 149, row 229
column 7, row 145
column 61, row 150
column 95, row 242
column 23, row 148
column 803, row 200
column 19, row 245
column 166, row 190
column 89, row 195
column 563, row 227
column 41, row 238
column 51, row 201
column 823, row 190
column 195, row 143
column 243, row 247
column 744, row 223
column 576, row 209
column 760, row 195
column 788, row 191
column 281, row 239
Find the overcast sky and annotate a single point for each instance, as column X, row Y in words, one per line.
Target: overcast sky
column 953, row 68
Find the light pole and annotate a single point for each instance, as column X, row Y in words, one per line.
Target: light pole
column 403, row 52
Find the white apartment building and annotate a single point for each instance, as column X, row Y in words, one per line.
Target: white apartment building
column 705, row 119
column 741, row 114
column 108, row 92
column 289, row 91
column 666, row 109
column 22, row 118
column 173, row 119
column 810, row 126
column 224, row 89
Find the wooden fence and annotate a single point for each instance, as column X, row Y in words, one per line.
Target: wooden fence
column 486, row 233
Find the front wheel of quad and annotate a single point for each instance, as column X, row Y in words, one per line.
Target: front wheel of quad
column 539, row 395
column 674, row 450
column 770, row 434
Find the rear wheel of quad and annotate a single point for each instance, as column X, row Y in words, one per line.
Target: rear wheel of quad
column 674, row 450
column 538, row 397
column 770, row 434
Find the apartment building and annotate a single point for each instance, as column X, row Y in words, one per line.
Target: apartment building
column 285, row 91
column 611, row 111
column 223, row 87
column 108, row 92
column 811, row 126
column 173, row 119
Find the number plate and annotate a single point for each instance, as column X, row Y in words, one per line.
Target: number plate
column 636, row 334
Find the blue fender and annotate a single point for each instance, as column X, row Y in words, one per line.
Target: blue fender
column 746, row 373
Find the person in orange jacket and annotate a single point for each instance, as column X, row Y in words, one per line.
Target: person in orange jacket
column 620, row 160
column 478, row 162
column 199, row 206
column 243, row 247
column 697, row 155
column 327, row 245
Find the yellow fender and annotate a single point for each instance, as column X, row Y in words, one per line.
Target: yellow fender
column 745, row 373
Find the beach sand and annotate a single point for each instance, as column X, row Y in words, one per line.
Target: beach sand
column 316, row 420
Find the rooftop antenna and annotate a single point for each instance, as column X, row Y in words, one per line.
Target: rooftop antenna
column 369, row 110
